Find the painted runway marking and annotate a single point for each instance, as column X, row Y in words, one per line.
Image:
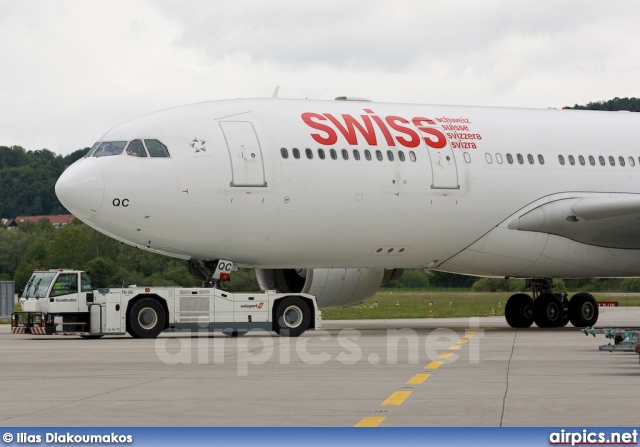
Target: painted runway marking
column 396, row 398
column 418, row 379
column 445, row 355
column 370, row 421
column 433, row 365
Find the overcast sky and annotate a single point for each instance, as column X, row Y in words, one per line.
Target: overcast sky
column 72, row 69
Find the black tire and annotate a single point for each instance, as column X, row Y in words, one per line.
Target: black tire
column 548, row 311
column 146, row 318
column 518, row 312
column 91, row 337
column 583, row 310
column 292, row 317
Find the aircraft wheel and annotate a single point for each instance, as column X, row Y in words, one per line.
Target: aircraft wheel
column 518, row 311
column 583, row 310
column 548, row 311
column 292, row 317
column 146, row 318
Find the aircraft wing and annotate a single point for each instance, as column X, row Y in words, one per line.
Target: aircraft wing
column 612, row 222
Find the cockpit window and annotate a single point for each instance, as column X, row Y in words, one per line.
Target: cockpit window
column 136, row 149
column 92, row 150
column 109, row 148
column 156, row 148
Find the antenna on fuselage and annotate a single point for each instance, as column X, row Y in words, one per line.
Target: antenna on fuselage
column 275, row 93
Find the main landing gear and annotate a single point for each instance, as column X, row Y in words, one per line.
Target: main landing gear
column 549, row 308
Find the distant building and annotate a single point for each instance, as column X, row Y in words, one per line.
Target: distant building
column 58, row 220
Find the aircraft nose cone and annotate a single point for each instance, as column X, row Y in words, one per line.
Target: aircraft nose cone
column 80, row 188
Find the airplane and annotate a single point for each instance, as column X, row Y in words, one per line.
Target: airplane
column 336, row 198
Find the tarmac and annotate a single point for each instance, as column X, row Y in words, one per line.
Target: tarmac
column 375, row 373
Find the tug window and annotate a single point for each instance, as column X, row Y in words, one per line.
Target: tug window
column 156, row 148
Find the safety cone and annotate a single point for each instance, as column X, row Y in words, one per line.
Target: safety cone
column 430, row 313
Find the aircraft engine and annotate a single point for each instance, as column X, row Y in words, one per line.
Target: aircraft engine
column 331, row 287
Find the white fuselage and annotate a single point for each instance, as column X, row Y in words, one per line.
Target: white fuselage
column 227, row 192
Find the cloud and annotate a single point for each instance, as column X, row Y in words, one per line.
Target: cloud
column 72, row 69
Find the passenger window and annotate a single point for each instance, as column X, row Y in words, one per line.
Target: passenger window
column 487, row 157
column 284, row 152
column 92, row 150
column 520, row 159
column 498, row 158
column 467, row 157
column 412, row 156
column 632, row 161
column 156, row 148
column 401, row 155
column 509, row 159
column 390, row 155
column 379, row 155
column 612, row 161
column 296, row 153
column 309, row 153
column 592, row 161
column 367, row 154
column 561, row 159
column 109, row 148
column 601, row 160
column 333, row 153
column 581, row 160
column 621, row 161
column 530, row 158
column 540, row 159
column 345, row 154
column 321, row 154
column 66, row 284
column 572, row 161
column 356, row 154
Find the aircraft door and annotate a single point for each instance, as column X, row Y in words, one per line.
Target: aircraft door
column 247, row 166
column 443, row 165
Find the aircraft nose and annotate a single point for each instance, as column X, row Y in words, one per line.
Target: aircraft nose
column 80, row 188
